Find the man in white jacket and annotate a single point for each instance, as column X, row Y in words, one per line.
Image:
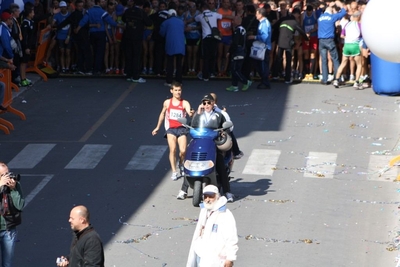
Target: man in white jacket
column 215, row 239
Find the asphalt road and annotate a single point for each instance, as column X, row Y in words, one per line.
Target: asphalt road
column 310, row 190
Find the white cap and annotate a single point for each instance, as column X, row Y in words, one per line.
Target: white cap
column 210, row 189
column 172, row 12
column 63, row 4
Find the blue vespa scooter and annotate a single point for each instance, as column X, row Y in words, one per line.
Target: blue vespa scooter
column 201, row 155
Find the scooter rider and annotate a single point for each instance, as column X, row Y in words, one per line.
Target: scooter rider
column 237, row 153
column 207, row 117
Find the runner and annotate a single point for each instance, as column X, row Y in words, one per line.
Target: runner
column 173, row 109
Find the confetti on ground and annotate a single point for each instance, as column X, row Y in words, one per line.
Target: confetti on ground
column 377, row 202
column 274, row 240
column 277, row 141
column 268, row 200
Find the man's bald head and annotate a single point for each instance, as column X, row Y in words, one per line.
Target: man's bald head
column 83, row 212
column 79, row 218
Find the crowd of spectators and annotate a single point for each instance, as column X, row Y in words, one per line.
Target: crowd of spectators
column 139, row 38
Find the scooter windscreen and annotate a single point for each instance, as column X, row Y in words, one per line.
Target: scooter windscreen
column 203, row 133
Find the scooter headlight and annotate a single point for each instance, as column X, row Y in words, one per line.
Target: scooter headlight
column 198, row 165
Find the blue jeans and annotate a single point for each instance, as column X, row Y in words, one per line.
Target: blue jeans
column 328, row 45
column 7, row 244
column 263, row 69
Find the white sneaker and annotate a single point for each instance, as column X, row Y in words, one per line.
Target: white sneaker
column 358, row 85
column 182, row 195
column 330, row 77
column 140, row 80
column 335, row 83
column 229, row 197
column 174, row 176
column 352, row 78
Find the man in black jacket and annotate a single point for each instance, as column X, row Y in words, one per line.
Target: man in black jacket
column 80, row 40
column 159, row 41
column 250, row 23
column 86, row 247
column 17, row 36
column 136, row 19
column 287, row 27
column 237, row 53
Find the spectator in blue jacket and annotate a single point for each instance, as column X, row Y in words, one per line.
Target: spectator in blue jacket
column 173, row 29
column 96, row 16
column 63, row 37
column 326, row 35
column 5, row 38
column 263, row 35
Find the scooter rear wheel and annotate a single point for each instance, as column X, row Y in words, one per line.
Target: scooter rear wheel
column 197, row 192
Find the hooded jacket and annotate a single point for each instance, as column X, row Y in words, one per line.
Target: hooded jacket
column 215, row 238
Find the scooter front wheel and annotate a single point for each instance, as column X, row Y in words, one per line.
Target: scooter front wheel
column 197, row 192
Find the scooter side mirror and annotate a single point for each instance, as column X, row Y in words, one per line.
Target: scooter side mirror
column 182, row 120
column 227, row 125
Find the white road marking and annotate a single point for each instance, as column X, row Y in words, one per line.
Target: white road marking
column 320, row 163
column 146, row 158
column 262, row 162
column 88, row 157
column 38, row 188
column 30, row 156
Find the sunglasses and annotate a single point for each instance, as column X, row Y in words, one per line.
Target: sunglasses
column 205, row 196
column 206, row 102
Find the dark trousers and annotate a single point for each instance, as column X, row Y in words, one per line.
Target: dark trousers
column 17, row 63
column 223, row 176
column 208, row 50
column 185, row 185
column 133, row 54
column 159, row 55
column 247, row 67
column 277, row 69
column 170, row 68
column 236, row 69
column 98, row 42
column 248, row 62
column 235, row 145
column 84, row 61
column 263, row 69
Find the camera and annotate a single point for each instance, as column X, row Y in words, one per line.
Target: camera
column 15, row 177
